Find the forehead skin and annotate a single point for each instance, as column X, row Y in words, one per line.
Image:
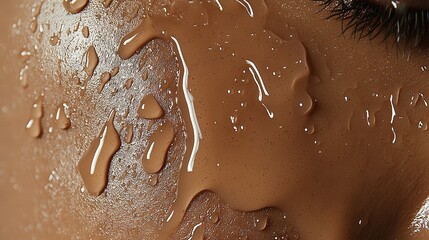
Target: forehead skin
column 32, row 204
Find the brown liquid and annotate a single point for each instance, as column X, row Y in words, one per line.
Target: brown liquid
column 342, row 155
column 129, row 83
column 94, row 164
column 91, row 63
column 34, row 125
column 105, row 78
column 85, row 31
column 107, row 3
column 250, row 118
column 75, row 6
column 149, row 108
column 156, row 151
column 62, row 119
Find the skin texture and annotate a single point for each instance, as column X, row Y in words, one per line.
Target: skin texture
column 40, row 186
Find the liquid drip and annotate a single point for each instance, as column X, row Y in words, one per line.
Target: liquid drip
column 62, row 119
column 85, row 32
column 149, row 108
column 75, row 6
column 105, row 78
column 34, row 125
column 94, row 164
column 155, row 153
column 219, row 158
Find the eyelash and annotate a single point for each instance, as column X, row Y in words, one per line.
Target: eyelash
column 365, row 19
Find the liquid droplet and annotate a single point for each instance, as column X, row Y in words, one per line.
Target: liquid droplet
column 423, row 126
column 54, row 40
column 23, row 77
column 24, row 55
column 145, row 75
column 149, row 108
column 85, row 32
column 305, row 104
column 155, row 154
column 214, row 218
column 91, row 61
column 62, row 120
column 129, row 83
column 105, row 78
column 261, row 223
column 153, row 180
column 114, row 71
column 94, row 164
column 74, row 6
column 34, row 126
column 129, row 133
column 106, row 3
column 309, row 129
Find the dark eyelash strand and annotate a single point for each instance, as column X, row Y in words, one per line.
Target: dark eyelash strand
column 370, row 20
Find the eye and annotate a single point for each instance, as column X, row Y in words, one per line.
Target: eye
column 408, row 26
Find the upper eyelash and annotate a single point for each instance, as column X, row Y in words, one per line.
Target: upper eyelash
column 370, row 20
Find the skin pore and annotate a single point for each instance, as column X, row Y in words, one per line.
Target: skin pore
column 42, row 192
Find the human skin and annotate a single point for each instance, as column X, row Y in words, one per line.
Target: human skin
column 41, row 189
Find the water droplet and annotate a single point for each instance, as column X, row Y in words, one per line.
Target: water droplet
column 114, row 71
column 74, row 6
column 24, row 55
column 33, row 25
column 155, row 154
column 309, row 129
column 54, row 40
column 214, row 217
column 106, row 3
column 305, row 104
column 145, row 75
column 62, row 120
column 34, row 126
column 423, row 126
column 149, row 108
column 85, row 32
column 94, row 164
column 91, row 61
column 129, row 133
column 23, row 77
column 153, row 180
column 105, row 78
column 129, row 83
column 261, row 223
